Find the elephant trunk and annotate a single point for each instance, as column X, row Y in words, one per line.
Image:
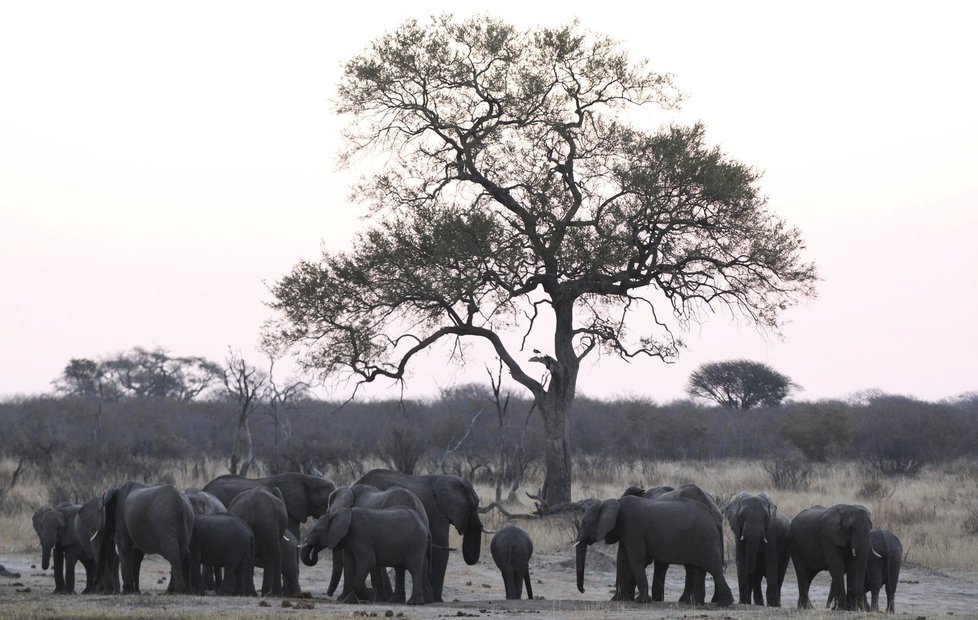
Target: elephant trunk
column 334, row 580
column 46, row 554
column 310, row 554
column 581, row 558
column 752, row 545
column 856, row 571
column 472, row 540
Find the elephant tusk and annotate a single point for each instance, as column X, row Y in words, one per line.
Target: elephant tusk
column 92, row 539
column 854, row 552
column 741, row 537
column 285, row 538
column 765, row 540
column 876, row 554
column 575, row 544
column 486, row 530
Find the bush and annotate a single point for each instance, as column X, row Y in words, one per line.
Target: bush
column 789, row 473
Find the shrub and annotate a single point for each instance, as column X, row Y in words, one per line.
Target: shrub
column 789, row 473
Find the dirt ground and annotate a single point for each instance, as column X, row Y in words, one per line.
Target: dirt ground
column 471, row 592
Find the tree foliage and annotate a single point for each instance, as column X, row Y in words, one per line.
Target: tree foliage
column 509, row 180
column 739, row 384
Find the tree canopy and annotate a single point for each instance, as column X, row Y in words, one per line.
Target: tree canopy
column 740, row 384
column 509, row 179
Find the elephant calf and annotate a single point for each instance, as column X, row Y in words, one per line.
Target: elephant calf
column 225, row 541
column 511, row 549
column 55, row 529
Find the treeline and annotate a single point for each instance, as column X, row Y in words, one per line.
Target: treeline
column 472, row 432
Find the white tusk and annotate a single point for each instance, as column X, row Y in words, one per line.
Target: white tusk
column 285, row 538
column 486, row 530
column 765, row 541
column 741, row 537
column 876, row 554
column 92, row 539
column 575, row 544
column 853, row 553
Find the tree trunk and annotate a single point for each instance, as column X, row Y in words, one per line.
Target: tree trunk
column 554, row 406
column 243, row 453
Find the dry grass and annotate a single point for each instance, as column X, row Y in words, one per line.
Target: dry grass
column 930, row 513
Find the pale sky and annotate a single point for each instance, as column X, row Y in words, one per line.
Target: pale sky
column 161, row 163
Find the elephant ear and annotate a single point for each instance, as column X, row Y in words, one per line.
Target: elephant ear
column 342, row 497
column 635, row 490
column 732, row 512
column 607, row 519
column 834, row 527
column 453, row 501
column 38, row 518
column 107, row 504
column 338, row 528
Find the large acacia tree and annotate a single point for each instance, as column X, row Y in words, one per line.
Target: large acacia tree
column 508, row 181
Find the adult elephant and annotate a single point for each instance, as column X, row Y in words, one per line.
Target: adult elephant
column 367, row 496
column 304, row 495
column 836, row 539
column 89, row 524
column 678, row 531
column 694, row 589
column 448, row 500
column 761, row 533
column 371, row 538
column 264, row 512
column 55, row 529
column 141, row 519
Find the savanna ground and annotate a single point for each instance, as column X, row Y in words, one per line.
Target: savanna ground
column 935, row 515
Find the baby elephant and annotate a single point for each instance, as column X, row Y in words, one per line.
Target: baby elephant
column 884, row 567
column 511, row 549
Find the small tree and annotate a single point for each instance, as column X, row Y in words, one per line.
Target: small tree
column 243, row 384
column 740, row 384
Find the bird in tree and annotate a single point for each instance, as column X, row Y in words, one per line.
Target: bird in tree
column 740, row 384
column 513, row 197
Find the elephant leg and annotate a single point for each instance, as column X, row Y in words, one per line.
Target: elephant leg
column 519, row 576
column 400, row 590
column 137, row 564
column 507, row 573
column 416, row 568
column 71, row 560
column 381, row 585
column 722, row 596
column 837, row 591
column 637, row 567
column 756, row 588
column 59, row 571
column 804, row 576
column 91, row 579
column 659, row 570
column 439, row 562
column 624, row 583
column 743, row 577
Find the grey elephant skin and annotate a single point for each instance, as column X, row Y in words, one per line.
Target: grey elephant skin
column 304, row 495
column 89, row 527
column 677, row 531
column 761, row 533
column 511, row 549
column 148, row 519
column 289, row 583
column 222, row 540
column 264, row 512
column 694, row 588
column 55, row 529
column 448, row 501
column 883, row 570
column 367, row 496
column 204, row 503
column 836, row 539
column 372, row 538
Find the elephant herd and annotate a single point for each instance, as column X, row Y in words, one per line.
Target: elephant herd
column 214, row 538
column 663, row 526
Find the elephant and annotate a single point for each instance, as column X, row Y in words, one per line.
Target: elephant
column 304, row 495
column 265, row 513
column 141, row 519
column 89, row 524
column 511, row 549
column 448, row 500
column 761, row 533
column 883, row 569
column 366, row 496
column 694, row 589
column 837, row 539
column 222, row 540
column 675, row 531
column 369, row 538
column 289, row 583
column 55, row 529
column 204, row 503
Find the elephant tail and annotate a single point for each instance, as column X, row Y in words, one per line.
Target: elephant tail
column 529, row 588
